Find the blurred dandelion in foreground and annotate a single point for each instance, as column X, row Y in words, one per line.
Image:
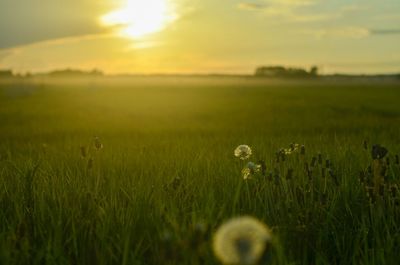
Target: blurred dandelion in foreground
column 242, row 240
column 243, row 152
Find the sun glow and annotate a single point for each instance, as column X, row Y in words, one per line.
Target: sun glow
column 138, row 18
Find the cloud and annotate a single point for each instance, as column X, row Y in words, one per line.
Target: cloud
column 53, row 42
column 275, row 4
column 252, row 6
column 298, row 10
column 350, row 32
column 289, row 10
column 387, row 17
column 5, row 53
column 385, row 31
column 25, row 22
column 353, row 8
column 362, row 66
column 340, row 33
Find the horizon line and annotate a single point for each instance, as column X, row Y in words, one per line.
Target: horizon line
column 84, row 71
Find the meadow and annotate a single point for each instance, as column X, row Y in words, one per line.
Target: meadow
column 141, row 170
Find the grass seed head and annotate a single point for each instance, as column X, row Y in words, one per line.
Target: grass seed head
column 306, row 167
column 313, row 161
column 302, row 150
column 176, row 182
column 327, row 163
column 319, row 158
column 198, row 235
column 84, row 151
column 90, row 163
column 270, row 176
column 394, row 190
column 378, row 152
column 382, row 189
column 263, row 167
column 282, row 155
column 365, row 145
column 277, row 178
column 289, row 174
column 362, row 177
column 333, row 176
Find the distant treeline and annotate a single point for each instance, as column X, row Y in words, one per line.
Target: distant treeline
column 56, row 73
column 283, row 72
column 280, row 72
column 75, row 73
column 6, row 73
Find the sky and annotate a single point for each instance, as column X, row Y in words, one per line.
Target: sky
column 200, row 36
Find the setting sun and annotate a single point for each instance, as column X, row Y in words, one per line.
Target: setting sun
column 137, row 18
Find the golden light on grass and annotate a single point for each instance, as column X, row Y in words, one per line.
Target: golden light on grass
column 138, row 18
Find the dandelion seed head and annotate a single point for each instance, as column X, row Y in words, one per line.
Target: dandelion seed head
column 246, row 173
column 250, row 169
column 243, row 152
column 287, row 151
column 97, row 143
column 292, row 149
column 252, row 166
column 241, row 240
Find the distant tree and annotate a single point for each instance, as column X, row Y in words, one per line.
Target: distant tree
column 6, row 74
column 314, row 71
column 282, row 72
column 75, row 73
column 270, row 71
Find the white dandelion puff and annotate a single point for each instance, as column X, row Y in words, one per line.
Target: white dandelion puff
column 243, row 152
column 242, row 240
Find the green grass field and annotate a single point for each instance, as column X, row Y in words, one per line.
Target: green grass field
column 167, row 177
